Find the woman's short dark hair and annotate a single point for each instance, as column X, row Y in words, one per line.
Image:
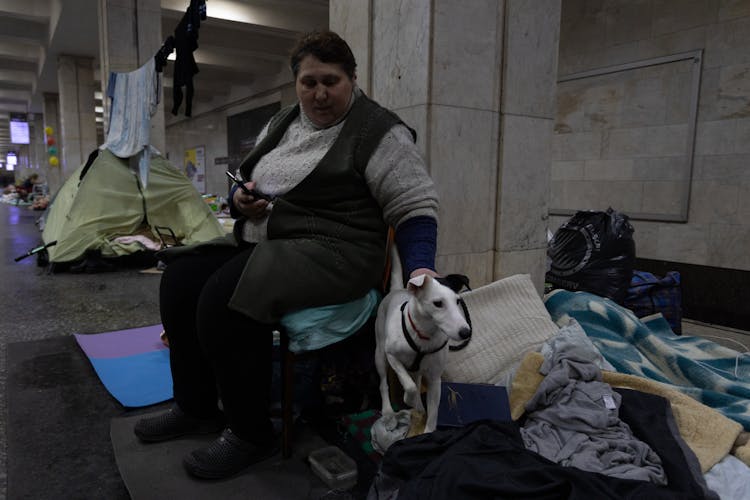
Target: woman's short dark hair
column 326, row 46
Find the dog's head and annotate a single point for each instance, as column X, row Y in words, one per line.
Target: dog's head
column 440, row 305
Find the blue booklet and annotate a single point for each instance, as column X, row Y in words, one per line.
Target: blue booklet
column 462, row 404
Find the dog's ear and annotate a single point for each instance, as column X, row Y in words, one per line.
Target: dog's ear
column 455, row 282
column 416, row 282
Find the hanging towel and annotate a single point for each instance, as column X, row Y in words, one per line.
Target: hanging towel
column 134, row 100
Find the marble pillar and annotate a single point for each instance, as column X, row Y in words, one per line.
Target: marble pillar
column 478, row 84
column 51, row 119
column 130, row 35
column 37, row 146
column 352, row 21
column 77, row 135
column 527, row 114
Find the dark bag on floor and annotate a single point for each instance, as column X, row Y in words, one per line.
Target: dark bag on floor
column 649, row 294
column 593, row 252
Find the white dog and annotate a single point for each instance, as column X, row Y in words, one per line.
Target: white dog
column 412, row 330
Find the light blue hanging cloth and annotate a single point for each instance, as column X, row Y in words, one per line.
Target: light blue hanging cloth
column 135, row 98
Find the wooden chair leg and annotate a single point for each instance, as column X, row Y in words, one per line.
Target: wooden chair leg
column 287, row 395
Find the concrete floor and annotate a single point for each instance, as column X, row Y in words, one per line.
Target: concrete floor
column 37, row 305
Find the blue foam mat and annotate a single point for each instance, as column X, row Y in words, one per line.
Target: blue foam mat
column 138, row 380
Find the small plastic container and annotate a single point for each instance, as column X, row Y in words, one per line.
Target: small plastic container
column 334, row 467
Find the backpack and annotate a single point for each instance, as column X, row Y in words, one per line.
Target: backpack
column 649, row 294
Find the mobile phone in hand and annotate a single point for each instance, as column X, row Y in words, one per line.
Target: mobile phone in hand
column 238, row 182
column 252, row 192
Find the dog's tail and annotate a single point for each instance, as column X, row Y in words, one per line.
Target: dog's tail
column 397, row 278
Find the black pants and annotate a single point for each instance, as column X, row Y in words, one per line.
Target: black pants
column 216, row 352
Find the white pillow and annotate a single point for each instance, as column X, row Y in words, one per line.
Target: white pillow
column 508, row 320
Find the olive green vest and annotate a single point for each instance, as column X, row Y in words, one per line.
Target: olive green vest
column 326, row 236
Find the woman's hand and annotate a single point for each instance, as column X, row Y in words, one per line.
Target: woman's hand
column 249, row 206
column 423, row 270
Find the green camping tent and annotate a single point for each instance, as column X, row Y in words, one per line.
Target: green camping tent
column 89, row 213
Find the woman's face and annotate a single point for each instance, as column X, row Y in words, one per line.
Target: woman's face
column 323, row 90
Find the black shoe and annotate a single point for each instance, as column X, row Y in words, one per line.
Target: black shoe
column 175, row 423
column 226, row 456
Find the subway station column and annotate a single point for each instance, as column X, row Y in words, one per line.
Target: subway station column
column 77, row 134
column 478, row 85
column 53, row 174
column 352, row 20
column 37, row 146
column 130, row 35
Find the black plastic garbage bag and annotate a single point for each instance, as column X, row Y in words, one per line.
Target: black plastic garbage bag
column 593, row 252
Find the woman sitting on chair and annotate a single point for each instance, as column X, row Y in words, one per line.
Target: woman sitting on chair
column 339, row 170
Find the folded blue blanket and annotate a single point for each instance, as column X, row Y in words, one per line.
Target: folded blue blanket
column 715, row 375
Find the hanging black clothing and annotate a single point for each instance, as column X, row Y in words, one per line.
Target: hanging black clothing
column 160, row 59
column 185, row 43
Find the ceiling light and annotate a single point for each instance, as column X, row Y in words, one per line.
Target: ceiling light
column 222, row 9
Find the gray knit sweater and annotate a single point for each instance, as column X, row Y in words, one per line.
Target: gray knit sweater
column 396, row 173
